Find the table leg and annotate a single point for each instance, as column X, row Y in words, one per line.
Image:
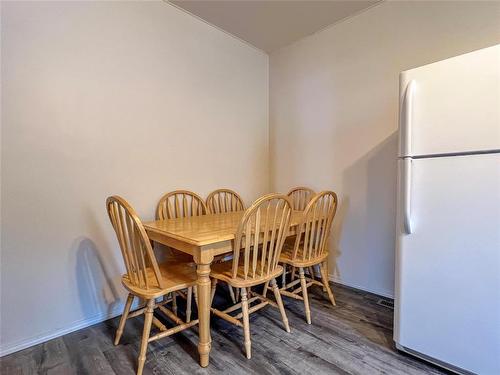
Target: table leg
column 204, row 344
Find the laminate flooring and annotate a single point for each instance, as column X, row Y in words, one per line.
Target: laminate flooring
column 355, row 337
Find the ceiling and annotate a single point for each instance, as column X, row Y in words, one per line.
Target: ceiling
column 270, row 25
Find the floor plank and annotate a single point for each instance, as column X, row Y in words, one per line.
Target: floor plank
column 355, row 337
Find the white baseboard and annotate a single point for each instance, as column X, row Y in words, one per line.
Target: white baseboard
column 382, row 293
column 9, row 348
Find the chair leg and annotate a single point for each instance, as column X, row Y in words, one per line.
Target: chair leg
column 293, row 273
column 195, row 292
column 148, row 318
column 277, row 296
column 237, row 294
column 319, row 269
column 246, row 322
column 327, row 266
column 174, row 303
column 231, row 293
column 304, row 295
column 283, row 276
column 324, row 277
column 212, row 294
column 266, row 286
column 123, row 319
column 311, row 272
column 188, row 304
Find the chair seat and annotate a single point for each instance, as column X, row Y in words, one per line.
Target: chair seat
column 176, row 276
column 287, row 258
column 224, row 272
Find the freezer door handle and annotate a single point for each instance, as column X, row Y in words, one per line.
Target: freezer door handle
column 407, row 174
column 406, row 118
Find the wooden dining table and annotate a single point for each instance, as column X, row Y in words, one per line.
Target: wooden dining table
column 203, row 237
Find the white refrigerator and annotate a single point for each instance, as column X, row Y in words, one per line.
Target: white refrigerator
column 447, row 295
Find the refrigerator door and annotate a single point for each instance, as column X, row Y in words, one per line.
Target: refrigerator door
column 448, row 268
column 452, row 106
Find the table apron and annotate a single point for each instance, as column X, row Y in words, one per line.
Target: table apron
column 174, row 243
column 214, row 249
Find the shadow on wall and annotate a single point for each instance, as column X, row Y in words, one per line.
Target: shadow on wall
column 338, row 221
column 97, row 292
column 364, row 229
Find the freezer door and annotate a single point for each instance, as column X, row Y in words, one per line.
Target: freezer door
column 452, row 106
column 448, row 268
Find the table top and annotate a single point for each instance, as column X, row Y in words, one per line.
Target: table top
column 205, row 229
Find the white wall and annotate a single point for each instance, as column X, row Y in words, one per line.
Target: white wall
column 334, row 113
column 103, row 98
column 139, row 98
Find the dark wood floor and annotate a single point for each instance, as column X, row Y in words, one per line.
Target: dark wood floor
column 353, row 338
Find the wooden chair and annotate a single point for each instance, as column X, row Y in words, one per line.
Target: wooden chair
column 311, row 249
column 257, row 247
column 146, row 279
column 300, row 197
column 177, row 204
column 224, row 200
column 180, row 203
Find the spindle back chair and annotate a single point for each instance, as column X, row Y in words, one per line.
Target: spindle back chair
column 300, row 197
column 134, row 244
column 180, row 203
column 313, row 232
column 260, row 236
column 224, row 200
column 257, row 246
column 311, row 249
column 146, row 279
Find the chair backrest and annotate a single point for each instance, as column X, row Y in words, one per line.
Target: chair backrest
column 224, row 200
column 300, row 197
column 180, row 203
column 260, row 237
column 134, row 244
column 314, row 229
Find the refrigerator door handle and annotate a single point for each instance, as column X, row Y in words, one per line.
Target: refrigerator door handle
column 406, row 126
column 407, row 174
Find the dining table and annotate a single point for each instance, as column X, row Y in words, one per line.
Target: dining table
column 203, row 237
